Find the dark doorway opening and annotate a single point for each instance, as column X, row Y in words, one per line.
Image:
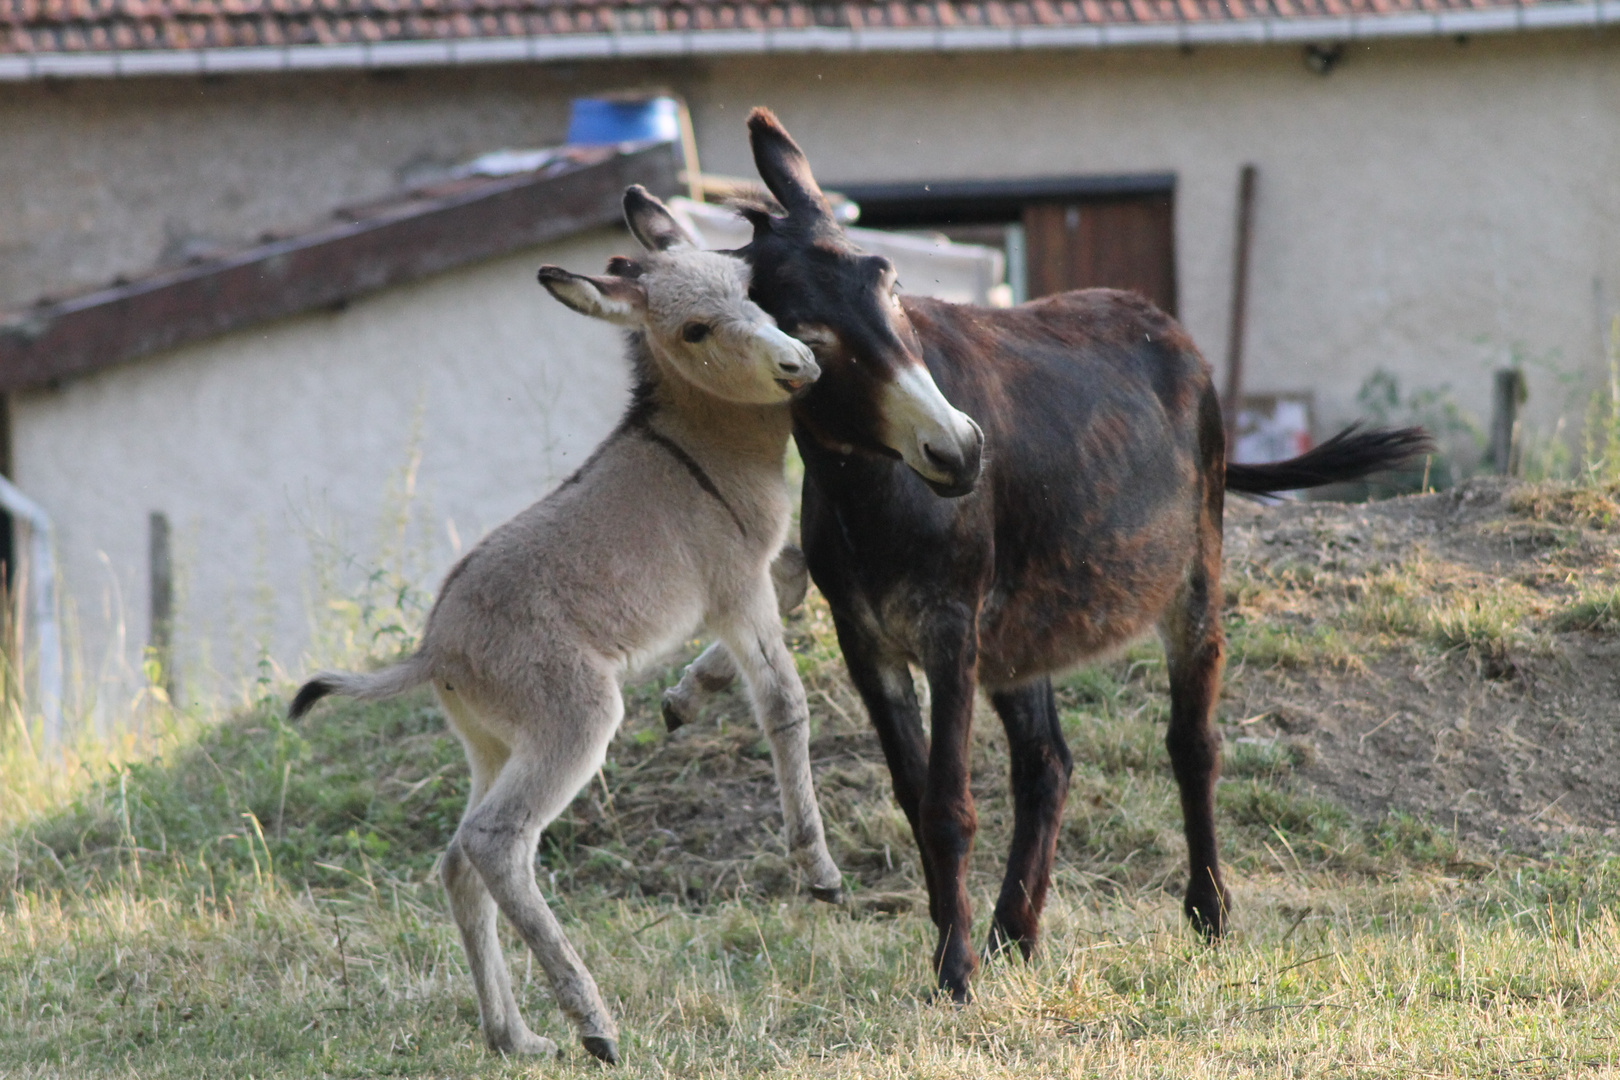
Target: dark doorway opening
column 1057, row 233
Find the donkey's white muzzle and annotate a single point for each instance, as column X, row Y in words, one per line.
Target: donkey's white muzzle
column 939, row 442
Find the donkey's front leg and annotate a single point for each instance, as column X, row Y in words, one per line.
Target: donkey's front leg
column 714, row 669
column 756, row 643
column 948, row 819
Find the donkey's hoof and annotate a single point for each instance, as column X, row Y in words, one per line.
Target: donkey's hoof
column 602, row 1048
column 828, row 894
column 1208, row 910
column 672, row 717
column 954, row 992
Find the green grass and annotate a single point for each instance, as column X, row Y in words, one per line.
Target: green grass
column 259, row 899
column 1594, row 610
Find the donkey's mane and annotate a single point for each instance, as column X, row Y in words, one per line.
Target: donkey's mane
column 644, row 380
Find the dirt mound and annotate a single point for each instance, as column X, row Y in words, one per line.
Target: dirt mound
column 1457, row 654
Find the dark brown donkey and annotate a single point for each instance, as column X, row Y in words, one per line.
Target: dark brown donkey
column 1097, row 517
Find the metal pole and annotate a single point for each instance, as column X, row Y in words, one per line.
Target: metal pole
column 1240, row 302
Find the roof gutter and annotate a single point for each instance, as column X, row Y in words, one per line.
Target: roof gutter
column 699, row 43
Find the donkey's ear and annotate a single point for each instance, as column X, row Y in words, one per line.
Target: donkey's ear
column 784, row 168
column 613, row 299
column 651, row 222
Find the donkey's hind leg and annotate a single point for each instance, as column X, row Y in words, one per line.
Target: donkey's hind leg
column 1040, row 785
column 1196, row 651
column 474, row 911
column 755, row 641
column 500, row 836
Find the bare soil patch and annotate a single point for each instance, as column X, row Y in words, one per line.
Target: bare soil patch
column 1506, row 727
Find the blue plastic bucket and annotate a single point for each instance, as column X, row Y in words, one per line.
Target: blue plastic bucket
column 595, row 121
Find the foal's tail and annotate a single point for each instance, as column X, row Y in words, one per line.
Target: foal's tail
column 411, row 672
column 1349, row 455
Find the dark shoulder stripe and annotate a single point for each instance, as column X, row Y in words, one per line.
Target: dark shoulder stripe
column 702, row 478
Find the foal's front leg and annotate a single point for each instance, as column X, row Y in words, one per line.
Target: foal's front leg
column 714, row 669
column 755, row 642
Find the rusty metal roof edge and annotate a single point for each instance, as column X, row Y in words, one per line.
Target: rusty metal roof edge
column 328, row 266
column 453, row 52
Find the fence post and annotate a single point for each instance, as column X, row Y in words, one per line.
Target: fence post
column 1508, row 393
column 160, row 642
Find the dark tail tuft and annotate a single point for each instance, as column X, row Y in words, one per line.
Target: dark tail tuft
column 1350, row 455
column 308, row 695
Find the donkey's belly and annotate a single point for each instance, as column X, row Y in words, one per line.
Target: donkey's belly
column 1080, row 606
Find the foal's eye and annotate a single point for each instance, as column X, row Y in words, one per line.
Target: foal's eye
column 694, row 332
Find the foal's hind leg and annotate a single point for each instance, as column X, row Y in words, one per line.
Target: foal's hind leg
column 500, row 836
column 1040, row 785
column 474, row 911
column 1196, row 650
column 755, row 641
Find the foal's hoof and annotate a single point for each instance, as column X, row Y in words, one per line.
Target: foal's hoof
column 953, row 993
column 672, row 716
column 525, row 1043
column 602, row 1049
column 828, row 894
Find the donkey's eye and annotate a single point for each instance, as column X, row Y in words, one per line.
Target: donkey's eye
column 694, row 332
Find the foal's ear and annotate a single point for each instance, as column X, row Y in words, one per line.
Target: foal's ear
column 784, row 168
column 651, row 222
column 614, row 299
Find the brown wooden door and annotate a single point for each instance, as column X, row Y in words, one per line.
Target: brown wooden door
column 1119, row 243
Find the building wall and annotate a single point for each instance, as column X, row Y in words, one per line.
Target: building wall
column 281, row 455
column 1430, row 208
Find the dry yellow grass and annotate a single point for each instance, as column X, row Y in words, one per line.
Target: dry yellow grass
column 259, row 899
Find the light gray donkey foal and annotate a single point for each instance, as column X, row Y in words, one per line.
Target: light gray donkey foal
column 671, row 524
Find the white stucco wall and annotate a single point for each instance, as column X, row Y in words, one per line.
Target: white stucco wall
column 1429, row 207
column 297, row 458
column 281, row 450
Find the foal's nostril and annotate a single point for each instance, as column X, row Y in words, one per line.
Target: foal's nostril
column 790, row 368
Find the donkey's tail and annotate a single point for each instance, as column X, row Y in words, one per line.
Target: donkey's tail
column 411, row 672
column 1350, row 455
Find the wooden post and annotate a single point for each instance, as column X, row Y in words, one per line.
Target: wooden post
column 1240, row 302
column 689, row 153
column 1508, row 393
column 160, row 643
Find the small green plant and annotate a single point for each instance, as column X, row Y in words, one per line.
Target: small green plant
column 1391, row 601
column 1600, row 438
column 1487, row 627
column 1459, row 434
column 1264, row 642
column 1595, row 610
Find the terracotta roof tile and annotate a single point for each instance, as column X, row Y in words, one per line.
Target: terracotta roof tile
column 70, row 26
